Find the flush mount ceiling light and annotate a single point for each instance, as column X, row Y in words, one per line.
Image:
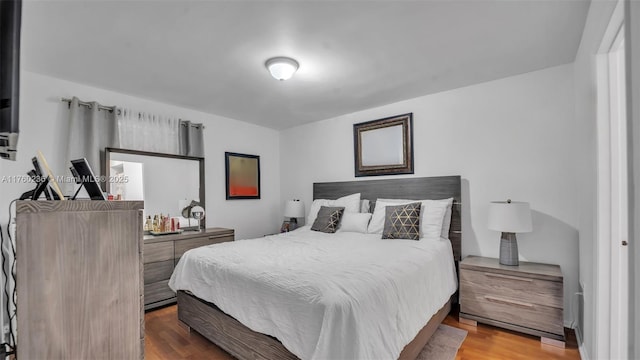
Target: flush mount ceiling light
column 281, row 68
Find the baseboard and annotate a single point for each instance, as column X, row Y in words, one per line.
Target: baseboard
column 584, row 354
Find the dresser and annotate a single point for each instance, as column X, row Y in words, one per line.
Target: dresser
column 161, row 255
column 79, row 271
column 527, row 298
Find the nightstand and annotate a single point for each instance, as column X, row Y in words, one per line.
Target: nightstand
column 525, row 298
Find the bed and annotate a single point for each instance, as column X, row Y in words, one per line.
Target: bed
column 325, row 295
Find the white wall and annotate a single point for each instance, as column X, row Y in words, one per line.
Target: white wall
column 510, row 138
column 586, row 170
column 43, row 127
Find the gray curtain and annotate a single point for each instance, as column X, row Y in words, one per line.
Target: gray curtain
column 91, row 130
column 191, row 139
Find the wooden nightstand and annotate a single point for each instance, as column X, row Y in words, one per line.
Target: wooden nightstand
column 525, row 298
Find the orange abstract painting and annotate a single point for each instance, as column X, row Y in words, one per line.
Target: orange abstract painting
column 243, row 176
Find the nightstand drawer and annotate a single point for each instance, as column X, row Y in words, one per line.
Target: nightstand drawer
column 529, row 290
column 517, row 312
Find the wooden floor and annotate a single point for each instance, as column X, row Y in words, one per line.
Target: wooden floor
column 166, row 339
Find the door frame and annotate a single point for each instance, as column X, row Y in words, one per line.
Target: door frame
column 611, row 258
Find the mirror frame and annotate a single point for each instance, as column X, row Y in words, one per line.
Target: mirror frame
column 200, row 160
column 404, row 120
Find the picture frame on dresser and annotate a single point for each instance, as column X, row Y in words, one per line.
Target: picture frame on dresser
column 286, row 226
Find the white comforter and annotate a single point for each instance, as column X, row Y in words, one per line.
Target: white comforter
column 325, row 296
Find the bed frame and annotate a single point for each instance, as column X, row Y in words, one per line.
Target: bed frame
column 244, row 343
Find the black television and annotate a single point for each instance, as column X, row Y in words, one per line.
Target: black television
column 10, row 19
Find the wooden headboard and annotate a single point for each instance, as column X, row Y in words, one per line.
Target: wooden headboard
column 419, row 188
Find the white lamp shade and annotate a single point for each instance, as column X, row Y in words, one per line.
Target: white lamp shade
column 512, row 217
column 294, row 209
column 282, row 68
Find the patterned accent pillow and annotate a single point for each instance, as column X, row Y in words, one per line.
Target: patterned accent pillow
column 402, row 222
column 328, row 219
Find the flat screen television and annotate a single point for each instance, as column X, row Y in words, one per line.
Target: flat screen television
column 10, row 19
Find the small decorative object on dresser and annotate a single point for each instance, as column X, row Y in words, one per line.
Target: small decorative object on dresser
column 510, row 217
column 526, row 298
column 193, row 211
column 293, row 210
column 162, row 253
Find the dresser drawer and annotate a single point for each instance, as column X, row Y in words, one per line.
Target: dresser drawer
column 183, row 245
column 160, row 251
column 157, row 271
column 522, row 313
column 158, row 291
column 534, row 291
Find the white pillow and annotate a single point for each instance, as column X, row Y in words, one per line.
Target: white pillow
column 431, row 215
column 364, row 206
column 351, row 203
column 355, row 222
column 446, row 221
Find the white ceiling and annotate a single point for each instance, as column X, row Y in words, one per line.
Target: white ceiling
column 353, row 55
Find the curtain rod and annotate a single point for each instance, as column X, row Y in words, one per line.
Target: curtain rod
column 88, row 104
column 112, row 108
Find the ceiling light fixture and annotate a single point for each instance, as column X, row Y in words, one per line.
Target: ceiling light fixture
column 281, row 68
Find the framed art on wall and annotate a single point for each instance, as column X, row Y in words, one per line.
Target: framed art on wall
column 384, row 146
column 242, row 176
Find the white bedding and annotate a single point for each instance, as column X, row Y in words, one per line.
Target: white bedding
column 325, row 296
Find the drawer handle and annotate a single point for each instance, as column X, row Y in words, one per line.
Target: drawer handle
column 508, row 277
column 508, row 302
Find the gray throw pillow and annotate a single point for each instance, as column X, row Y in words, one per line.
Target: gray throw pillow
column 328, row 219
column 402, row 222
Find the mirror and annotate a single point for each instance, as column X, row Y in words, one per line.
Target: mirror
column 384, row 146
column 166, row 183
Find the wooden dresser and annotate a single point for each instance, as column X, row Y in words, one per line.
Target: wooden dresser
column 162, row 253
column 79, row 276
column 526, row 298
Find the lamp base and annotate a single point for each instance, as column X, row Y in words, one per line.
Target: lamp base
column 293, row 224
column 508, row 249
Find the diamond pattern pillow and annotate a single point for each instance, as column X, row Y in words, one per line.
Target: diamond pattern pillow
column 402, row 222
column 328, row 219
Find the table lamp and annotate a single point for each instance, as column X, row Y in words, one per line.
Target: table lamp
column 294, row 209
column 509, row 217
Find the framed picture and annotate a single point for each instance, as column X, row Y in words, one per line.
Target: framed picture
column 286, row 227
column 384, row 146
column 242, row 176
